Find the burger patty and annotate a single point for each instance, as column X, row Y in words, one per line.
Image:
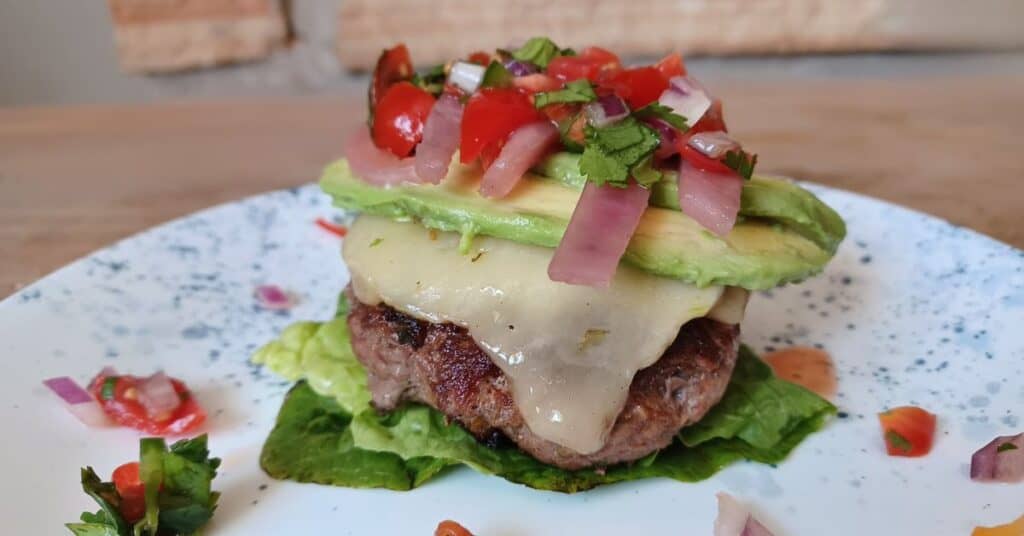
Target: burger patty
column 407, row 359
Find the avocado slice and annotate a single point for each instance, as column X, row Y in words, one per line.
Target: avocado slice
column 774, row 199
column 759, row 253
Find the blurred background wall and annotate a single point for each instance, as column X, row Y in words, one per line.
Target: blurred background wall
column 68, row 52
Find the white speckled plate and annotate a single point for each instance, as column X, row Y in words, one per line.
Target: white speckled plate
column 914, row 310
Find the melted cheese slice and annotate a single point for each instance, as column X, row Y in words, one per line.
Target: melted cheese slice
column 570, row 352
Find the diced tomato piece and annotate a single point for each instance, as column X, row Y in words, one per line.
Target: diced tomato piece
column 451, row 528
column 332, row 227
column 480, row 58
column 119, row 399
column 131, row 490
column 537, row 82
column 712, row 120
column 1014, row 528
column 575, row 131
column 559, row 111
column 639, row 86
column 490, row 116
column 591, row 63
column 908, row 431
column 699, row 161
column 671, row 65
column 393, row 66
column 400, row 115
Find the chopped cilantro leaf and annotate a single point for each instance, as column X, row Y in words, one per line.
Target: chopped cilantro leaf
column 612, row 152
column 109, row 387
column 565, row 132
column 496, row 75
column 644, row 173
column 431, row 81
column 656, row 110
column 1005, row 447
column 538, row 51
column 741, row 162
column 897, row 441
column 567, row 52
column 575, row 91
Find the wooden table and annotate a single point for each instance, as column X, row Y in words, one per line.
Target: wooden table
column 75, row 179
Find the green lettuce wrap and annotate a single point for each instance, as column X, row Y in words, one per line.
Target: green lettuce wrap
column 326, row 431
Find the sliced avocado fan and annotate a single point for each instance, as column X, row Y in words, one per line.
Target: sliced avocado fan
column 785, row 234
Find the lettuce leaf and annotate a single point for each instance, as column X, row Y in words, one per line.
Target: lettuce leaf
column 312, row 442
column 319, row 437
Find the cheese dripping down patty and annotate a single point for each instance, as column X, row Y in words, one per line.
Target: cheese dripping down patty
column 569, row 352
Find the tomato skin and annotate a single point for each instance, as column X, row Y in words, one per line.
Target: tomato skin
column 480, row 58
column 591, row 63
column 537, row 82
column 699, row 161
column 711, row 121
column 560, row 111
column 451, row 528
column 131, row 490
column 399, row 118
column 639, row 86
column 394, row 65
column 671, row 66
column 908, row 431
column 490, row 116
column 125, row 409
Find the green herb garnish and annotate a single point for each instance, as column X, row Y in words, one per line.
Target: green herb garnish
column 496, row 75
column 656, row 110
column 1005, row 447
column 432, row 80
column 612, row 152
column 178, row 497
column 897, row 441
column 538, row 51
column 575, row 91
column 109, row 388
column 741, row 162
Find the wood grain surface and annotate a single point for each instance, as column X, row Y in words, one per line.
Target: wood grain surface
column 75, row 179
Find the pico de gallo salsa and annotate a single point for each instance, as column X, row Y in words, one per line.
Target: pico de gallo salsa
column 506, row 110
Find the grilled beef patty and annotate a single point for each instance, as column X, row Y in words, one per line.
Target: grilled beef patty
column 407, row 359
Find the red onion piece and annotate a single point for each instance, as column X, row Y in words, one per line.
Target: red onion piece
column 375, row 165
column 734, row 519
column 440, row 139
column 68, row 390
column 157, row 395
column 91, row 415
column 606, row 110
column 713, row 144
column 990, row 464
column 713, row 199
column 274, row 298
column 598, row 233
column 520, row 68
column 668, row 145
column 78, row 401
column 524, row 148
column 687, row 98
column 754, row 527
